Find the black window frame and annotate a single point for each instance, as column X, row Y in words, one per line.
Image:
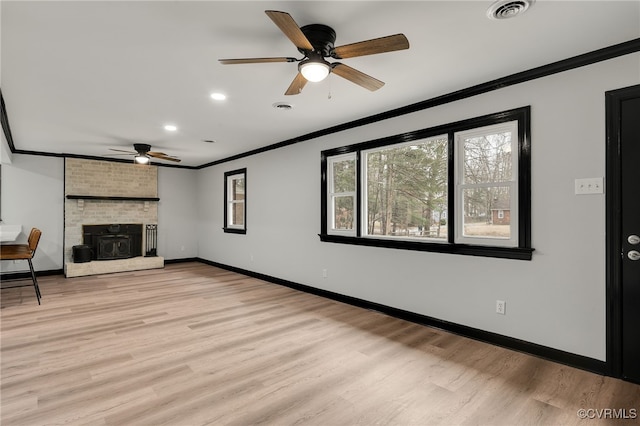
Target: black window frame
column 226, row 228
column 523, row 251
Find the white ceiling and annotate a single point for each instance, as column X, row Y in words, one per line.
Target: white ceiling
column 81, row 77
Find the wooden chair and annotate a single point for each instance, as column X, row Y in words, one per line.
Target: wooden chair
column 24, row 252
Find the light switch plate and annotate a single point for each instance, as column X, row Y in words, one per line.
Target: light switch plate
column 590, row 186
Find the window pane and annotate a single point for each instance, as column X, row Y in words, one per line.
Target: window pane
column 487, row 212
column 238, row 189
column 407, row 190
column 237, row 214
column 488, row 158
column 343, row 212
column 344, row 176
column 235, row 191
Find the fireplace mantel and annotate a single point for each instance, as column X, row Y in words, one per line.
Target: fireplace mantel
column 82, row 198
column 109, row 198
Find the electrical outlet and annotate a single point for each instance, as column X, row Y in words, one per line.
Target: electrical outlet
column 251, row 257
column 324, row 273
column 501, row 307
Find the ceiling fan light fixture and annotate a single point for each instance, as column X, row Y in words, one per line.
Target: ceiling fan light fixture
column 141, row 159
column 314, row 70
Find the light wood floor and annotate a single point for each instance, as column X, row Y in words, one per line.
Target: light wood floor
column 192, row 345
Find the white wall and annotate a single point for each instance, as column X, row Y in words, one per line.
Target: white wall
column 177, row 231
column 32, row 196
column 5, row 152
column 556, row 300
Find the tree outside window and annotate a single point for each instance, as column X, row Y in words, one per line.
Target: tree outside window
column 487, row 178
column 406, row 193
column 342, row 196
column 461, row 188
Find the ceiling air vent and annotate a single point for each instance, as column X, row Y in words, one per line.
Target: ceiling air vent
column 504, row 9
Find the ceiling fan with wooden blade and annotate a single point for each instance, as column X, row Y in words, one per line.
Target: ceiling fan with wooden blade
column 355, row 76
column 143, row 153
column 316, row 42
column 255, row 60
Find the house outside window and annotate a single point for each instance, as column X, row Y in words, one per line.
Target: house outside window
column 486, row 181
column 460, row 188
column 235, row 201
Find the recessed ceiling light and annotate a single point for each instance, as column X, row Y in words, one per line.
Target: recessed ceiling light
column 170, row 127
column 218, row 96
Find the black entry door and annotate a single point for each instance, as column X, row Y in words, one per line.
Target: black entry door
column 630, row 155
column 624, row 207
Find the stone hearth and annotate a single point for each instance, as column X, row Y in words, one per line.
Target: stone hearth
column 97, row 267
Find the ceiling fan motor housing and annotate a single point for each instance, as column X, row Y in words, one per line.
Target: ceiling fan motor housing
column 142, row 148
column 321, row 37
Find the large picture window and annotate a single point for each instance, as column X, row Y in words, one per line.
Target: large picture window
column 235, row 191
column 459, row 188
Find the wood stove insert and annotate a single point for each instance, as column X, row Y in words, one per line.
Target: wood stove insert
column 113, row 241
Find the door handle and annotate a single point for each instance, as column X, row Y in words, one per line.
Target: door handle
column 634, row 255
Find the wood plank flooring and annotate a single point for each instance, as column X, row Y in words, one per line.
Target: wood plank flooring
column 192, row 344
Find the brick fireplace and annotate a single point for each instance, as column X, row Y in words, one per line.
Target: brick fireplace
column 101, row 197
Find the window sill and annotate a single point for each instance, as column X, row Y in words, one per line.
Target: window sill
column 518, row 253
column 234, row 230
